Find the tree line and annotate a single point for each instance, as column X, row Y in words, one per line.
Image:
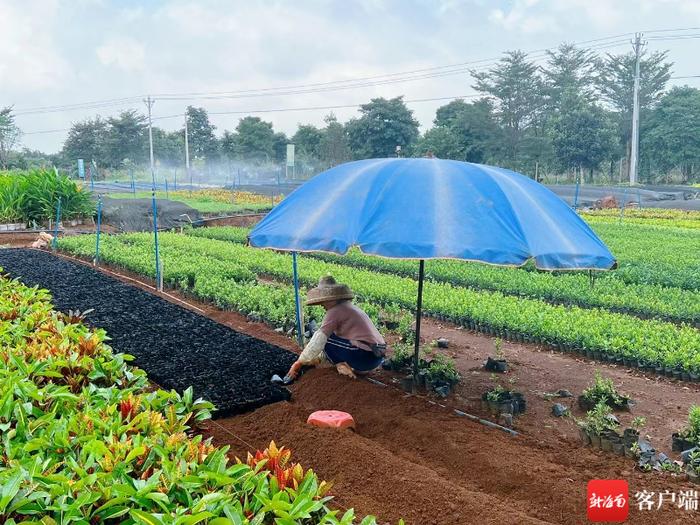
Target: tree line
column 570, row 116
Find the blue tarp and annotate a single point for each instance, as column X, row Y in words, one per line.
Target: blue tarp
column 431, row 208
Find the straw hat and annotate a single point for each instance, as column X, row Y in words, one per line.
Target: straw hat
column 328, row 290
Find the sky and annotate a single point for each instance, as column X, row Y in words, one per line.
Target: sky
column 55, row 53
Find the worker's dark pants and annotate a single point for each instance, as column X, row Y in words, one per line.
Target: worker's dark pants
column 339, row 350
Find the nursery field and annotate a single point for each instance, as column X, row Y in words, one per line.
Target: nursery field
column 407, row 458
column 644, row 314
column 212, row 201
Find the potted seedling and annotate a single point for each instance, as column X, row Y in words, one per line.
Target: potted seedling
column 692, row 467
column 390, row 317
column 630, row 436
column 603, row 389
column 400, row 358
column 519, row 404
column 441, row 375
column 493, row 398
column 503, row 401
column 498, row 362
column 689, row 437
column 599, row 426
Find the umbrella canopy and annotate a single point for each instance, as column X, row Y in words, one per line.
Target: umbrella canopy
column 429, row 209
column 432, row 208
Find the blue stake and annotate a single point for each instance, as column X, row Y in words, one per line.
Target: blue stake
column 578, row 182
column 155, row 236
column 167, row 196
column 55, row 228
column 175, row 181
column 133, row 184
column 639, row 199
column 99, row 224
column 297, row 301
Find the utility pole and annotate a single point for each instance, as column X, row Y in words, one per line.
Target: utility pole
column 637, row 45
column 187, row 152
column 149, row 104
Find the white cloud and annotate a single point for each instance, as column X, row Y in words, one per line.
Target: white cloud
column 524, row 16
column 123, row 52
column 29, row 60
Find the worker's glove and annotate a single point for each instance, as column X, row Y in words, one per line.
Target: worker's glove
column 314, row 353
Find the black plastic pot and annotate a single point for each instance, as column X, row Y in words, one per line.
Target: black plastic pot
column 693, row 476
column 679, row 443
column 585, row 438
column 693, row 376
column 519, row 403
column 407, row 384
column 595, row 440
column 606, row 443
column 496, row 365
column 619, row 448
column 422, row 377
column 585, row 404
column 391, row 325
column 506, row 407
column 630, row 436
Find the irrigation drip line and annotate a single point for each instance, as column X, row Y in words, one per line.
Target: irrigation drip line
column 456, row 411
column 226, row 430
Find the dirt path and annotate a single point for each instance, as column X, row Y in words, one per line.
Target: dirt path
column 412, row 459
column 418, row 461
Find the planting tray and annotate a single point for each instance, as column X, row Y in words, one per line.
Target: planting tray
column 175, row 346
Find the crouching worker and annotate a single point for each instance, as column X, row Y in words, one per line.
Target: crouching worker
column 347, row 338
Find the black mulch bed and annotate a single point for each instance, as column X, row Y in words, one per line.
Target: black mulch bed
column 175, row 346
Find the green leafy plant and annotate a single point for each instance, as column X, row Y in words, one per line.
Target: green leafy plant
column 442, row 369
column 33, row 196
column 694, row 462
column 692, row 430
column 87, row 440
column 638, row 423
column 496, row 393
column 402, row 356
column 498, row 348
column 603, row 390
column 597, row 420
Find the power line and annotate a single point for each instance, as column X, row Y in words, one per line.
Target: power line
column 281, row 110
column 369, row 81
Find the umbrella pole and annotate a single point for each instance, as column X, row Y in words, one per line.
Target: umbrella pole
column 419, row 308
column 297, row 301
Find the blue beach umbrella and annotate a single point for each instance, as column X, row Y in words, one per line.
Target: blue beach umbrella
column 429, row 208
